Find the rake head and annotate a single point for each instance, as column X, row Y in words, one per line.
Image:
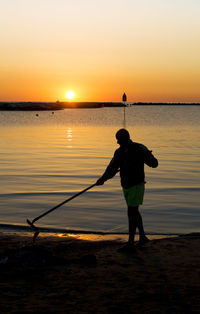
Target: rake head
column 34, row 229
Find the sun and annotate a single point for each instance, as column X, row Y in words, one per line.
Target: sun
column 70, row 94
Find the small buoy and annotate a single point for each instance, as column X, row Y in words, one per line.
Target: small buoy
column 124, row 97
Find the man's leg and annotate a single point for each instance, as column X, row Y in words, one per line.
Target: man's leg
column 132, row 223
column 135, row 221
column 129, row 247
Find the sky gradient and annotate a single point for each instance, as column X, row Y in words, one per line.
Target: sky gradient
column 99, row 49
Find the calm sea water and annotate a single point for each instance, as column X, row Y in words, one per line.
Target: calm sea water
column 47, row 158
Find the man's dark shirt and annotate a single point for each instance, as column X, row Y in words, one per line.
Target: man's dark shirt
column 130, row 160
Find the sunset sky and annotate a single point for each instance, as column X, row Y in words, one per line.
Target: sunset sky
column 100, row 48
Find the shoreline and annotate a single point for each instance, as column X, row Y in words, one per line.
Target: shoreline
column 119, row 238
column 7, row 227
column 83, row 236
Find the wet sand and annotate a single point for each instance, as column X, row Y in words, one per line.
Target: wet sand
column 86, row 274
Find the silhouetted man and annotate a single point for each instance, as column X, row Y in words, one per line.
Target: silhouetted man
column 129, row 159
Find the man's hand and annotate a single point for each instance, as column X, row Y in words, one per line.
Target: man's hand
column 100, row 181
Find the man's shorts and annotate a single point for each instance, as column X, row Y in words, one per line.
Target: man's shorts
column 134, row 195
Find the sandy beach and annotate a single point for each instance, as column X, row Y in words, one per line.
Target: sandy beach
column 86, row 274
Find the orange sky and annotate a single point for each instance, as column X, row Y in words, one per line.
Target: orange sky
column 99, row 49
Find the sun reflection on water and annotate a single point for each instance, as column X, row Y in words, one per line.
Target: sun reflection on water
column 69, row 137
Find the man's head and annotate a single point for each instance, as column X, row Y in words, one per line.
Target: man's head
column 122, row 137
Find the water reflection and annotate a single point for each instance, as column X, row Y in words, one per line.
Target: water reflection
column 69, row 138
column 124, row 121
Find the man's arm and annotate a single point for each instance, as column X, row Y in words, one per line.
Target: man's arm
column 149, row 158
column 110, row 171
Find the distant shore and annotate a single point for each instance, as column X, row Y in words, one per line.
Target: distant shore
column 38, row 106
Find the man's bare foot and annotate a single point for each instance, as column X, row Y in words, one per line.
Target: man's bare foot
column 143, row 240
